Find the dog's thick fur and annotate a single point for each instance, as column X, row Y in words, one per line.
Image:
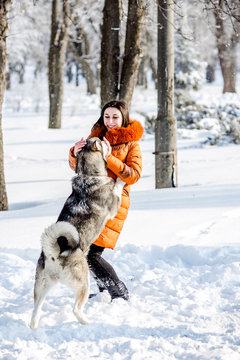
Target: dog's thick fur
column 95, row 198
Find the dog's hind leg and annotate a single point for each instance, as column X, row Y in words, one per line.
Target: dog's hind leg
column 81, row 299
column 41, row 289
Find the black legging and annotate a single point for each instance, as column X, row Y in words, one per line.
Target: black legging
column 100, row 268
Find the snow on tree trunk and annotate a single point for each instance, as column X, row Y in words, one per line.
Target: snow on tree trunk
column 56, row 58
column 132, row 51
column 110, row 51
column 166, row 129
column 3, row 56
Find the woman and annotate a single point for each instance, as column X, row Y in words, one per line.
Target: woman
column 124, row 160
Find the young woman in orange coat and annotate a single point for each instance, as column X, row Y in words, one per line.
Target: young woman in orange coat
column 124, row 160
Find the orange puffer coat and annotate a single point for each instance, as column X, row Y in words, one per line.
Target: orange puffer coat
column 125, row 161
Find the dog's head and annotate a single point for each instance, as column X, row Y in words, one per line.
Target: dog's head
column 91, row 159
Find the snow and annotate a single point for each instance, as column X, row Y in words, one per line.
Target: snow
column 179, row 252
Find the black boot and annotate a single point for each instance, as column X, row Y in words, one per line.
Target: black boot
column 100, row 285
column 105, row 275
column 118, row 290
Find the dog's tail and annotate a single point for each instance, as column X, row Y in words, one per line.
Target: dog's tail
column 60, row 238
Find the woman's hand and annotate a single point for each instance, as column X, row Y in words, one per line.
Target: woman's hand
column 109, row 148
column 78, row 146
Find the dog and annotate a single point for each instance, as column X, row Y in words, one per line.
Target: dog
column 95, row 198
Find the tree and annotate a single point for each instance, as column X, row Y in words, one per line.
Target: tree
column 189, row 68
column 165, row 128
column 84, row 40
column 3, row 55
column 132, row 51
column 112, row 83
column 226, row 45
column 28, row 37
column 110, row 51
column 227, row 31
column 56, row 59
column 80, row 50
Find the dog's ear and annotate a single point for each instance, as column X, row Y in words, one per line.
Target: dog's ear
column 96, row 146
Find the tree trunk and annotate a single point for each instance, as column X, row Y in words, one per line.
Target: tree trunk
column 86, row 68
column 142, row 72
column 165, row 131
column 226, row 46
column 89, row 76
column 77, row 75
column 132, row 52
column 3, row 56
column 56, row 59
column 154, row 71
column 210, row 73
column 110, row 51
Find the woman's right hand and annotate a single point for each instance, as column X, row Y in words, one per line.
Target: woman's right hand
column 79, row 145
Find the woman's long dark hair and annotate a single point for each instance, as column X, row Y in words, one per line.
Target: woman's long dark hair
column 121, row 106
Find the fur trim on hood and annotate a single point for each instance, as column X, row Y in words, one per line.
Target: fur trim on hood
column 122, row 135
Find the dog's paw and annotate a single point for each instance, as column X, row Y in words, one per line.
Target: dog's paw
column 120, row 182
column 81, row 318
column 33, row 324
column 85, row 321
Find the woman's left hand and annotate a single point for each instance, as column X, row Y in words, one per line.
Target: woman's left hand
column 109, row 148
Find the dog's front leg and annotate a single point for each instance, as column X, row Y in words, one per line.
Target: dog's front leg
column 118, row 188
column 117, row 193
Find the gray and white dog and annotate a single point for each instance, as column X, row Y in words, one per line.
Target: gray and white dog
column 95, row 198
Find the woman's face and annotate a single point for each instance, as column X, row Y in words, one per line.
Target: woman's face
column 112, row 118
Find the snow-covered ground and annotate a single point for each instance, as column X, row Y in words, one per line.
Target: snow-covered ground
column 179, row 252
